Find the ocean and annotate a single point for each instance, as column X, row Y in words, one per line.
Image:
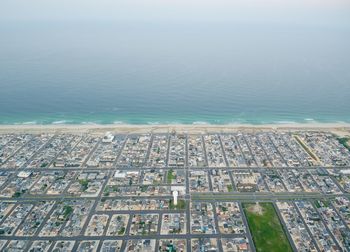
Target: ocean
column 113, row 72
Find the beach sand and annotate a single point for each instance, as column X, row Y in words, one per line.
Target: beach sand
column 341, row 129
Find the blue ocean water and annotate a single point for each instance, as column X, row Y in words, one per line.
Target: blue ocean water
column 136, row 72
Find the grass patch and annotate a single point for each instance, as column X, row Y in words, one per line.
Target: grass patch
column 67, row 210
column 106, row 192
column 84, row 184
column 344, row 141
column 121, row 231
column 321, row 203
column 317, row 204
column 306, row 148
column 266, row 229
column 143, row 188
column 181, row 204
column 170, row 176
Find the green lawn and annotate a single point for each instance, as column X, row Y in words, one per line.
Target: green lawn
column 170, row 176
column 181, row 204
column 266, row 229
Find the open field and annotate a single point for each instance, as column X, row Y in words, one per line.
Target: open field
column 266, row 229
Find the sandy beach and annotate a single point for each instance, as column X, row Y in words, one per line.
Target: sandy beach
column 341, row 129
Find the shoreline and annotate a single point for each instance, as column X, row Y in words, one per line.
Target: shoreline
column 343, row 128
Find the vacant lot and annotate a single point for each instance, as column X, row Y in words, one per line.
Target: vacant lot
column 266, row 228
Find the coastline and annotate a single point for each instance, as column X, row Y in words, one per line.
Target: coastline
column 337, row 128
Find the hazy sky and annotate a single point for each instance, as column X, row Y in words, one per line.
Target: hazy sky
column 313, row 12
